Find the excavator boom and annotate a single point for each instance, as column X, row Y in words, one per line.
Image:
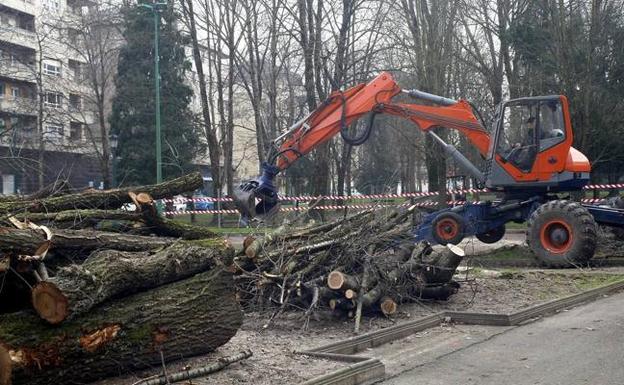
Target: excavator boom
column 342, row 108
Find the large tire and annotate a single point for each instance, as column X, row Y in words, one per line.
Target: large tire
column 493, row 235
column 562, row 234
column 448, row 227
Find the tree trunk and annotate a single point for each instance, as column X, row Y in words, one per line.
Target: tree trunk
column 79, row 218
column 168, row 227
column 110, row 199
column 27, row 241
column 186, row 318
column 76, row 289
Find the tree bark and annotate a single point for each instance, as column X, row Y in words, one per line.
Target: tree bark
column 27, row 241
column 189, row 317
column 166, row 227
column 76, row 289
column 107, row 199
column 80, row 218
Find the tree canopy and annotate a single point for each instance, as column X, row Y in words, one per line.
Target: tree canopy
column 133, row 110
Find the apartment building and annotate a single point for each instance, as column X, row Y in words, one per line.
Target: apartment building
column 45, row 111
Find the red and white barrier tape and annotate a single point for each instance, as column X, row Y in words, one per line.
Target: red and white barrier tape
column 308, row 198
column 328, row 207
column 350, row 207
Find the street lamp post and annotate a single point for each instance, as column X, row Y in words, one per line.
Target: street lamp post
column 156, row 8
column 114, row 141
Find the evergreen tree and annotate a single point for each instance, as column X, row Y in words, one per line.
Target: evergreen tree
column 133, row 110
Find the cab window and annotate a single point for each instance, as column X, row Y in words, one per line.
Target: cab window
column 517, row 140
column 552, row 126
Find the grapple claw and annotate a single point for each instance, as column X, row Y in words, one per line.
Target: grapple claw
column 258, row 198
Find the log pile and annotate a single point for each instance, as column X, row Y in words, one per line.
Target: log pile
column 79, row 304
column 367, row 262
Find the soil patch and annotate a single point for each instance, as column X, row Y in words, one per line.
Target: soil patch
column 491, row 291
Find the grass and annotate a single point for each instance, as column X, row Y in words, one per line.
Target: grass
column 514, row 225
column 509, row 253
column 591, row 281
column 229, row 224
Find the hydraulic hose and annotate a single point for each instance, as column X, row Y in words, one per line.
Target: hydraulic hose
column 358, row 139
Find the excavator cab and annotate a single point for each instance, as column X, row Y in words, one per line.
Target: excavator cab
column 532, row 147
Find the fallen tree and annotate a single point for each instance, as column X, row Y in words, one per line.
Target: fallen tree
column 367, row 262
column 76, row 289
column 117, row 300
column 185, row 318
column 28, row 241
column 102, row 199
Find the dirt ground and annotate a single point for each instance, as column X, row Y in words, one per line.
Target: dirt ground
column 274, row 360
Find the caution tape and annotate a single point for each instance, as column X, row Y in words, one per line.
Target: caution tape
column 308, row 198
column 327, row 207
column 350, row 207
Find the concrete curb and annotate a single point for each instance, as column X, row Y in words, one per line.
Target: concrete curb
column 365, row 369
column 489, row 263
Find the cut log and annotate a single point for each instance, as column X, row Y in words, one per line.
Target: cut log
column 103, row 199
column 388, row 306
column 27, row 241
column 76, row 289
column 350, row 294
column 341, row 281
column 341, row 304
column 185, row 318
column 441, row 263
column 164, row 226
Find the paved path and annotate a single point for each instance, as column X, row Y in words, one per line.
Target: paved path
column 582, row 346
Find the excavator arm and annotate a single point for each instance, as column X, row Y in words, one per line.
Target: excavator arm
column 343, row 108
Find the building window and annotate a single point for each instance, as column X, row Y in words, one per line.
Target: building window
column 54, row 129
column 52, row 5
column 75, row 102
column 2, row 90
column 53, row 99
column 75, row 131
column 52, row 67
column 8, row 20
column 16, row 92
column 75, row 69
column 8, row 184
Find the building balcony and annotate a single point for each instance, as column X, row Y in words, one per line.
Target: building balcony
column 18, row 71
column 18, row 36
column 24, row 6
column 21, row 106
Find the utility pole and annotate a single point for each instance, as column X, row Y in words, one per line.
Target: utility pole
column 156, row 8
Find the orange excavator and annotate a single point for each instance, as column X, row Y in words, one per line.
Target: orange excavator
column 529, row 162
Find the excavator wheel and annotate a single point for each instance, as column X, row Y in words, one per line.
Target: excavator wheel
column 562, row 234
column 448, row 227
column 493, row 235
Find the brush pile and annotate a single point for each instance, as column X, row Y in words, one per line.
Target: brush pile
column 88, row 290
column 367, row 262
